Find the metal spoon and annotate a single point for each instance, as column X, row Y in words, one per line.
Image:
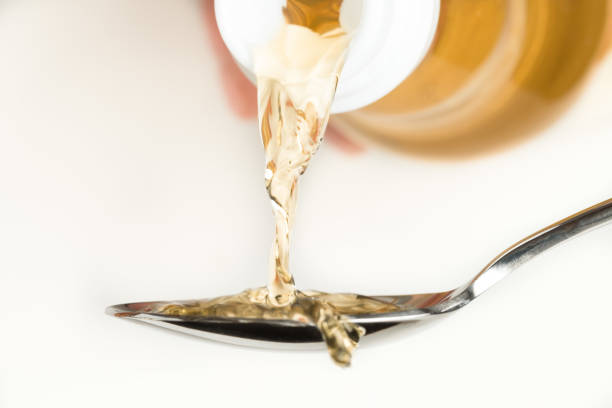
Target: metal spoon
column 412, row 308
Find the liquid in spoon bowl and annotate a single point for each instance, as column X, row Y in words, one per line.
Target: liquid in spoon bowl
column 311, row 317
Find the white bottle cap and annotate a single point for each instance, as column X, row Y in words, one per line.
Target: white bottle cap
column 390, row 38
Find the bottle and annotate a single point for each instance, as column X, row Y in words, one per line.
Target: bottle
column 448, row 77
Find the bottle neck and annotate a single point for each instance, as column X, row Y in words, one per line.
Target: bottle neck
column 389, row 39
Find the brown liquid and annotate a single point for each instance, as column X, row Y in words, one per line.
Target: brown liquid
column 498, row 71
column 324, row 310
column 297, row 74
column 497, row 67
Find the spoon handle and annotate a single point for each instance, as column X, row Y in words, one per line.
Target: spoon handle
column 526, row 249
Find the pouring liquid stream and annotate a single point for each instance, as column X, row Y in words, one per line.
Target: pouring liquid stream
column 297, row 74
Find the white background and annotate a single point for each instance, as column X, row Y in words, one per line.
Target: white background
column 123, row 177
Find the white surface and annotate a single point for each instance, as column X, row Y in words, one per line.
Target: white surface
column 390, row 41
column 124, row 178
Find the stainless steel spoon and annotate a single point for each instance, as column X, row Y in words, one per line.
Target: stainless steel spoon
column 412, row 308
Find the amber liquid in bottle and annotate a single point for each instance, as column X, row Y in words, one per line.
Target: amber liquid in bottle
column 498, row 71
